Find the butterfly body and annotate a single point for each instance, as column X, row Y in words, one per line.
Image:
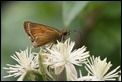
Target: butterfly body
column 42, row 34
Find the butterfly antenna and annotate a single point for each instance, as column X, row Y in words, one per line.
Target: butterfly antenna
column 77, row 31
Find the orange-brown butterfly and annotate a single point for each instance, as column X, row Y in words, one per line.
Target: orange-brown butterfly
column 42, row 34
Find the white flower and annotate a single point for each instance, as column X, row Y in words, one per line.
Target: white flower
column 99, row 69
column 119, row 76
column 61, row 56
column 26, row 61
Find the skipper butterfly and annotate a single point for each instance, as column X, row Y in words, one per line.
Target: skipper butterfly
column 42, row 34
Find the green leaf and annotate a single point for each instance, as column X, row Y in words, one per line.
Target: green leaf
column 71, row 10
column 33, row 76
column 43, row 68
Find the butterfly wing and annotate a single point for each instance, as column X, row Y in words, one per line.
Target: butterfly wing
column 41, row 34
column 44, row 38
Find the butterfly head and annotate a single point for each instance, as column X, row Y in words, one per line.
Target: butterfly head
column 65, row 32
column 63, row 35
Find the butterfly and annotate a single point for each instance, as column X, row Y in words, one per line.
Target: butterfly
column 42, row 34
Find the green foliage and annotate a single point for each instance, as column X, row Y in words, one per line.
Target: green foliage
column 71, row 10
column 33, row 76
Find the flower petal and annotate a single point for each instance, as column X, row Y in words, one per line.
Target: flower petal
column 71, row 72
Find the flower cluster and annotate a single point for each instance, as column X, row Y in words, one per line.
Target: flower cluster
column 59, row 62
column 26, row 61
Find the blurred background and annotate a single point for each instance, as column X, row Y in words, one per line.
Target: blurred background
column 96, row 24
